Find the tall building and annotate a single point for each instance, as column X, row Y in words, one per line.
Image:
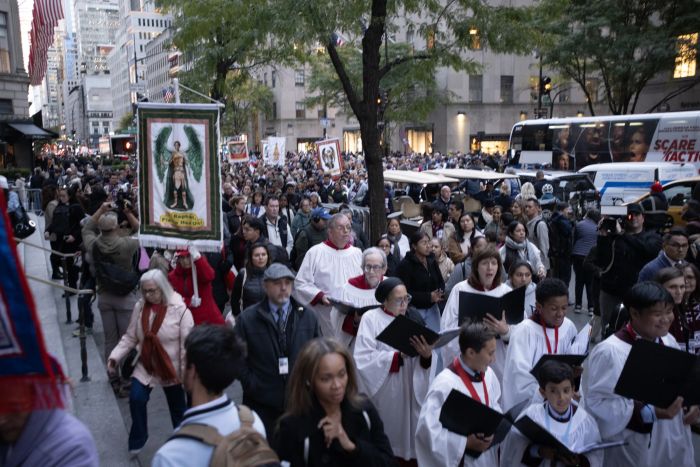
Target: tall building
column 163, row 63
column 141, row 22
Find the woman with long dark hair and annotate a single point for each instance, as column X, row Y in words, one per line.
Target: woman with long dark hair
column 459, row 245
column 517, row 246
column 685, row 323
column 327, row 422
column 248, row 286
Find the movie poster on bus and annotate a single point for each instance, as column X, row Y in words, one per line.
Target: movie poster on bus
column 630, row 141
column 237, row 151
column 328, row 156
column 676, row 140
column 274, row 151
column 180, row 188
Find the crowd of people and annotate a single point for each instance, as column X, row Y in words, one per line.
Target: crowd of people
column 293, row 305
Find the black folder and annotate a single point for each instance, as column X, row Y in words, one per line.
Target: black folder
column 347, row 308
column 475, row 306
column 570, row 359
column 401, row 329
column 656, row 374
column 539, row 435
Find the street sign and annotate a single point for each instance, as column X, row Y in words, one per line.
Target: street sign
column 137, row 87
column 325, row 122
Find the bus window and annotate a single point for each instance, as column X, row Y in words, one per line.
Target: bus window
column 592, row 144
column 630, row 141
column 535, row 138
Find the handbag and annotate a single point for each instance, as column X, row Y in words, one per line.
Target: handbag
column 129, row 363
column 22, row 226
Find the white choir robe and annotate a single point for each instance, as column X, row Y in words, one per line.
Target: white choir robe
column 583, row 432
column 450, row 319
column 358, row 296
column 671, row 444
column 397, row 396
column 527, row 345
column 437, row 446
column 325, row 269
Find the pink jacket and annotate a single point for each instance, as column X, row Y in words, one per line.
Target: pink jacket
column 176, row 326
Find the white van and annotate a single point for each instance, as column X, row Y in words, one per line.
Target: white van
column 623, row 182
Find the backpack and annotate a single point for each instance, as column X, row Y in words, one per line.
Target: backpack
column 244, row 447
column 113, row 278
column 559, row 246
column 60, row 223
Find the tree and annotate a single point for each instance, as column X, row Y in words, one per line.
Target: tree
column 621, row 44
column 125, row 122
column 445, row 28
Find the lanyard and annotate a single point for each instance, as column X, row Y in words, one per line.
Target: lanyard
column 468, row 382
column 546, row 338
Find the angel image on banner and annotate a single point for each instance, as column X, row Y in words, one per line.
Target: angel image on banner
column 179, row 170
column 274, row 151
column 328, row 155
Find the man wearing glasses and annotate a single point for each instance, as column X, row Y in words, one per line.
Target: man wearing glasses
column 358, row 292
column 673, row 253
column 326, row 269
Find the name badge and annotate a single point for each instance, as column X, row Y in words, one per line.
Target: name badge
column 283, row 364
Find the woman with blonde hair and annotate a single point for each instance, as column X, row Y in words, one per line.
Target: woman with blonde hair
column 157, row 331
column 327, row 421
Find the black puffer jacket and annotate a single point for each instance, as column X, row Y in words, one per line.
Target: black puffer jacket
column 247, row 289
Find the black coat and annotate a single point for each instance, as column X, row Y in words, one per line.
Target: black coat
column 373, row 447
column 622, row 257
column 419, row 280
column 260, row 378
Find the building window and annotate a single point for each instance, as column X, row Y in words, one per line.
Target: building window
column 265, row 79
column 506, row 89
column 687, row 52
column 4, row 45
column 299, row 77
column 273, row 77
column 592, row 87
column 534, row 87
column 105, row 130
column 6, row 107
column 300, row 110
column 565, row 94
column 430, row 39
column 474, row 39
column 476, row 88
column 410, row 34
column 274, row 111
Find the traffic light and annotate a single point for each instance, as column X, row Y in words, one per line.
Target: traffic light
column 545, row 85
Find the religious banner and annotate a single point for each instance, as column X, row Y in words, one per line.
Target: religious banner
column 274, row 151
column 179, row 174
column 237, row 151
column 29, row 377
column 328, row 156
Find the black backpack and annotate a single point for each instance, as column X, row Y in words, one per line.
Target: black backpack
column 113, row 278
column 560, row 246
column 60, row 224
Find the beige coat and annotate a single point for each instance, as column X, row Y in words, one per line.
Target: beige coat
column 176, row 326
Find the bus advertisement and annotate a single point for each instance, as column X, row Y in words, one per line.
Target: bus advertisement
column 574, row 143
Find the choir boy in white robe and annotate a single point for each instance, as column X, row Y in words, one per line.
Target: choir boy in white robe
column 358, row 291
column 485, row 278
column 325, row 269
column 470, row 374
column 396, row 384
column 560, row 415
column 656, row 436
column 547, row 331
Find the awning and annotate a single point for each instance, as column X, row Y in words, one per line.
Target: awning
column 32, row 131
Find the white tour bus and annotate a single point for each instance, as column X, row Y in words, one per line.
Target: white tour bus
column 574, row 143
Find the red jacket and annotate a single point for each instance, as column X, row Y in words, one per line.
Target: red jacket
column 181, row 280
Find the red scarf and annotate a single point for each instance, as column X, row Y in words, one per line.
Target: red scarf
column 154, row 358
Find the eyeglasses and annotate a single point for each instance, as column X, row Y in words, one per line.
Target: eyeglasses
column 401, row 301
column 373, row 267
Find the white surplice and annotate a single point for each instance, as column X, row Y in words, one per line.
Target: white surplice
column 580, row 431
column 450, row 319
column 437, row 446
column 397, row 396
column 527, row 345
column 325, row 269
column 356, row 292
column 670, row 444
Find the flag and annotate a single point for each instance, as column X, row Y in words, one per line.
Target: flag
column 29, row 377
column 45, row 17
column 337, row 39
column 168, row 94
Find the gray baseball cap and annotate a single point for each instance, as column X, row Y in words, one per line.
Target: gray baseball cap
column 277, row 271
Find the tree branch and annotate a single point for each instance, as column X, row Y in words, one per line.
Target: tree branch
column 406, row 58
column 350, row 92
column 673, row 94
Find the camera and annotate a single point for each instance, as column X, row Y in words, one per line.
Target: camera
column 614, row 215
